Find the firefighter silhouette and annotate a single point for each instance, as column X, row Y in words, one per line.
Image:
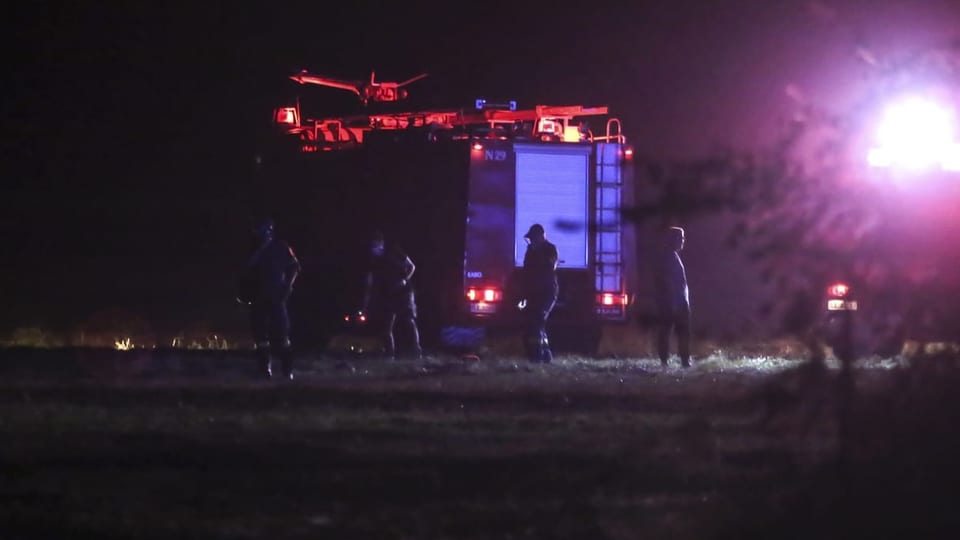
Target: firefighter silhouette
column 267, row 284
column 539, row 291
column 672, row 298
column 389, row 295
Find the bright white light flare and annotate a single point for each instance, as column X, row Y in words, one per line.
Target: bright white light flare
column 916, row 134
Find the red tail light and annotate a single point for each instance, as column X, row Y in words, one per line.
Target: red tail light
column 839, row 298
column 612, row 299
column 359, row 318
column 838, row 290
column 484, row 294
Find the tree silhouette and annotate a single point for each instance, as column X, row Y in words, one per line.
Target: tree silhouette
column 807, row 209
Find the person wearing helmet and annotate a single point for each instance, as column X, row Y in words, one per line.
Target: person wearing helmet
column 389, row 294
column 539, row 292
column 268, row 282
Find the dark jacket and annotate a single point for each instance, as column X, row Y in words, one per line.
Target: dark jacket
column 271, row 271
column 539, row 274
column 387, row 287
column 672, row 292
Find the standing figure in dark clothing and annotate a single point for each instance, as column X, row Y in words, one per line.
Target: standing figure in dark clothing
column 673, row 299
column 268, row 282
column 389, row 296
column 539, row 293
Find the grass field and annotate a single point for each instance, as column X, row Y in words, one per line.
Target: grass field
column 138, row 444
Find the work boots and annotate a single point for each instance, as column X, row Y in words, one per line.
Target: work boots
column 538, row 349
column 263, row 363
column 286, row 362
column 543, row 349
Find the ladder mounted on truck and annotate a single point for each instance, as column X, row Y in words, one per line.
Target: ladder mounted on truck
column 501, row 121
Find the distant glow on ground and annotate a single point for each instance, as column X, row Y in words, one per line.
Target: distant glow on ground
column 916, row 134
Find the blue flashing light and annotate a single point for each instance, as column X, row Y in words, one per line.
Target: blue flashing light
column 482, row 104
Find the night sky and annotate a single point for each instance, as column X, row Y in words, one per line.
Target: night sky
column 125, row 127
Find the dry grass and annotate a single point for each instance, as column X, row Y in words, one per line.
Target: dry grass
column 189, row 445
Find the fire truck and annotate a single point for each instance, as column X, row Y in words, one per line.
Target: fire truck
column 457, row 189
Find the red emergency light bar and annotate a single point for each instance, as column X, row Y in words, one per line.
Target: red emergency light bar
column 287, row 115
column 534, row 114
column 612, row 299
